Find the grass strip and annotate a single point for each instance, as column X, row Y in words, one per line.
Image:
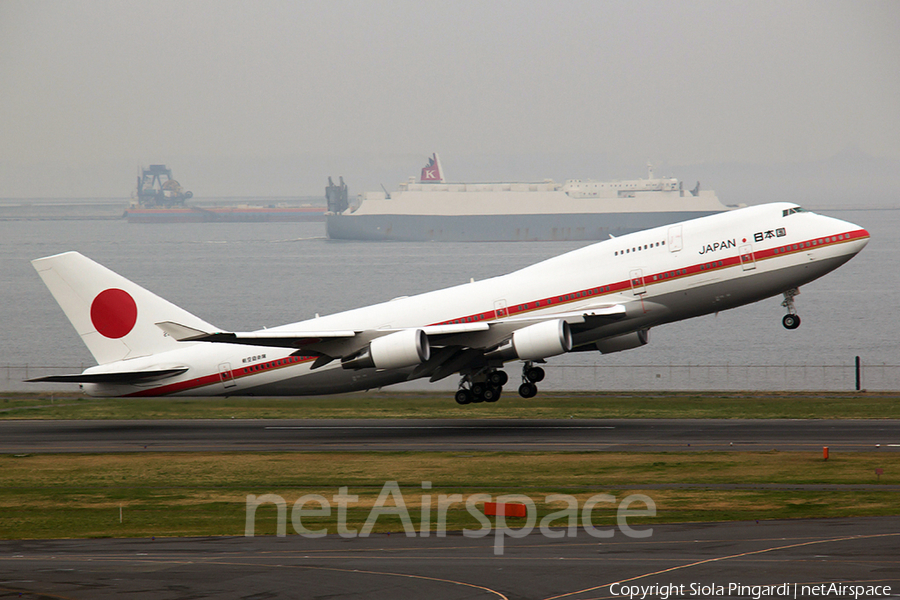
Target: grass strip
column 189, row 494
column 400, row 405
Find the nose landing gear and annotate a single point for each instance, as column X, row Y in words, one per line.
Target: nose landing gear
column 792, row 319
column 530, row 376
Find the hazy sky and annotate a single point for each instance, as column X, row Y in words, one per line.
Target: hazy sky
column 90, row 90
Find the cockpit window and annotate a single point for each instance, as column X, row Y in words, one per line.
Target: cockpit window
column 790, row 211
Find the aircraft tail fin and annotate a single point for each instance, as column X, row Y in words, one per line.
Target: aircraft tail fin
column 115, row 317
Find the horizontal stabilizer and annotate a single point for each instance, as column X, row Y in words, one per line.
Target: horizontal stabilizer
column 121, row 377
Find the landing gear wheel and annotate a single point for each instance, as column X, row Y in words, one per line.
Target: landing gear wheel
column 490, row 394
column 534, row 374
column 498, row 378
column 791, row 321
column 463, row 396
column 528, row 390
column 478, row 392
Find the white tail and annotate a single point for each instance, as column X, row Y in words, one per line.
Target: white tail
column 115, row 317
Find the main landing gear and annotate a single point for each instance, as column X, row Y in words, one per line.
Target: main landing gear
column 792, row 319
column 482, row 387
column 487, row 386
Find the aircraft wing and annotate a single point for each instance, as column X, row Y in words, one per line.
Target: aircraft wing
column 456, row 351
column 577, row 317
column 331, row 343
column 279, row 339
column 455, row 346
column 469, row 333
column 317, row 341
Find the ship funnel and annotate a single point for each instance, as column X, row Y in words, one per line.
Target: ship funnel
column 432, row 172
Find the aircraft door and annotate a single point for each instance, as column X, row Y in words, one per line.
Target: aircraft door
column 500, row 309
column 637, row 281
column 675, row 240
column 748, row 262
column 226, row 376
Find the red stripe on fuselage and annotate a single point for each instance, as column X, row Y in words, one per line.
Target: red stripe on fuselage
column 221, row 378
column 661, row 276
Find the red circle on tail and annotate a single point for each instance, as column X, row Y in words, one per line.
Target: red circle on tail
column 114, row 313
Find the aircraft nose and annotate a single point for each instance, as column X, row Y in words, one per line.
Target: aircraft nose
column 859, row 237
column 864, row 241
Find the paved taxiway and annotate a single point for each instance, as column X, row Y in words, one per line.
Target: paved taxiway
column 20, row 437
column 865, row 551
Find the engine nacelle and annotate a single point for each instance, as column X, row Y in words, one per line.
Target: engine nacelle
column 626, row 341
column 536, row 342
column 394, row 351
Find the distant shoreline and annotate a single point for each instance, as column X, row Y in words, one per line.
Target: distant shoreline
column 110, row 209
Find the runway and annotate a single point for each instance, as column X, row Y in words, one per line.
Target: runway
column 20, row 437
column 864, row 552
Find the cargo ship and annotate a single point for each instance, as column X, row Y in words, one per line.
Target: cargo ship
column 161, row 199
column 431, row 209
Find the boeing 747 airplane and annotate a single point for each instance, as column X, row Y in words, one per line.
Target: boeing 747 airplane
column 601, row 298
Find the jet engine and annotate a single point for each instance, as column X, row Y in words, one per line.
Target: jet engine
column 535, row 342
column 397, row 350
column 626, row 341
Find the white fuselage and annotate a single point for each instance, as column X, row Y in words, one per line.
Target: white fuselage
column 659, row 275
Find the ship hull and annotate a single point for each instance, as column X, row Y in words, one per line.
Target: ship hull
column 499, row 228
